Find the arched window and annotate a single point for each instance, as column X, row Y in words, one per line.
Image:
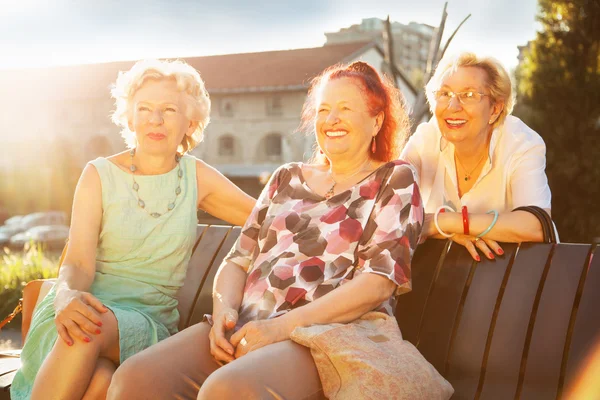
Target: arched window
column 270, row 149
column 273, row 145
column 227, row 146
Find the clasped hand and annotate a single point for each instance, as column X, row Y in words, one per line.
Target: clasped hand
column 77, row 315
column 250, row 337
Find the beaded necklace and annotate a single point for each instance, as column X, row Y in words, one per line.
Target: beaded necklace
column 136, row 186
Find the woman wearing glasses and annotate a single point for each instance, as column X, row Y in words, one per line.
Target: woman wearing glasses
column 477, row 162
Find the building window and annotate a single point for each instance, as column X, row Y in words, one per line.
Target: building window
column 273, row 146
column 227, row 107
column 274, row 105
column 227, row 146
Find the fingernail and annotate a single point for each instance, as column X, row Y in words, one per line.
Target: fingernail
column 478, row 258
column 70, row 343
column 98, row 331
column 500, row 251
column 492, row 256
column 99, row 324
column 230, row 352
column 87, row 339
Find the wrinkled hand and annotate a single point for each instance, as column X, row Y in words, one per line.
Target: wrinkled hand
column 220, row 348
column 472, row 243
column 257, row 334
column 77, row 314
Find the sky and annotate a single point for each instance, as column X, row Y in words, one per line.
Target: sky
column 42, row 33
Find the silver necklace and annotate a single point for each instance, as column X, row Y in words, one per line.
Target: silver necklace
column 330, row 192
column 468, row 173
column 136, row 187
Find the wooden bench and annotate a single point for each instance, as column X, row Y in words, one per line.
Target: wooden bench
column 516, row 327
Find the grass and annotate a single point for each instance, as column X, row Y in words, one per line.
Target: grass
column 18, row 268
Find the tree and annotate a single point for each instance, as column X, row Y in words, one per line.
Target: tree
column 559, row 97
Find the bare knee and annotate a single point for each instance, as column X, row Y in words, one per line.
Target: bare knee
column 229, row 383
column 100, row 381
column 128, row 381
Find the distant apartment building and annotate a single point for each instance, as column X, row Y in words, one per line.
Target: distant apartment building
column 411, row 42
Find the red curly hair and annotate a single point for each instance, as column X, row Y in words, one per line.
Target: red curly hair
column 381, row 96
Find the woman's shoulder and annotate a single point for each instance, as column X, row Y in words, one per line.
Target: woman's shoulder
column 517, row 136
column 426, row 132
column 401, row 173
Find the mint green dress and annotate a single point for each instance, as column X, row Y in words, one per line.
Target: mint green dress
column 141, row 263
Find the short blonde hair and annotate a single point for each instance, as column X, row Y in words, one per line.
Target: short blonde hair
column 188, row 80
column 498, row 80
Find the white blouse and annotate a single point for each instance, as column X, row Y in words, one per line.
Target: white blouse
column 513, row 175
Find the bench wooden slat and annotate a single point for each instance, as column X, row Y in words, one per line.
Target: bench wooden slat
column 443, row 306
column 512, row 322
column 203, row 304
column 586, row 332
column 547, row 344
column 193, row 278
column 199, row 266
column 8, row 369
column 410, row 307
column 467, row 352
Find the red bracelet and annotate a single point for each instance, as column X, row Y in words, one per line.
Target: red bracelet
column 465, row 215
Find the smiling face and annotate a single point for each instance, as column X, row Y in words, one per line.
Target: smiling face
column 158, row 117
column 344, row 125
column 460, row 122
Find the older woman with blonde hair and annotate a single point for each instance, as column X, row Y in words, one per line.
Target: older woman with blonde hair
column 132, row 231
column 477, row 161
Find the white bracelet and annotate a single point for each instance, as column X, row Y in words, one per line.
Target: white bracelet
column 435, row 220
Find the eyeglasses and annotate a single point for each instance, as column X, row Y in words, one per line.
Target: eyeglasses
column 465, row 98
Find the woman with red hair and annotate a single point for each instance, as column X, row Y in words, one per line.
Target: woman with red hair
column 327, row 242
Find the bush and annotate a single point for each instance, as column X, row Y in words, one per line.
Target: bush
column 16, row 269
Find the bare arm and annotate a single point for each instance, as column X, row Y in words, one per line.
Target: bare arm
column 222, row 198
column 77, row 272
column 512, row 227
column 228, row 288
column 76, row 310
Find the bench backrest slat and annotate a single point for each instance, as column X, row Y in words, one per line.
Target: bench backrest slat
column 201, row 263
column 443, row 306
column 193, row 278
column 473, row 336
column 586, row 331
column 544, row 359
column 411, row 305
column 203, row 304
column 513, row 322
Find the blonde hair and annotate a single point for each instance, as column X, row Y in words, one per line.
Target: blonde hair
column 498, row 80
column 188, row 81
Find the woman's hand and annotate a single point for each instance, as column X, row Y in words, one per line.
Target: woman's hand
column 220, row 348
column 257, row 334
column 472, row 243
column 77, row 315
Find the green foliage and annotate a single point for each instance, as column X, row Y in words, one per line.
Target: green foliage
column 559, row 97
column 16, row 269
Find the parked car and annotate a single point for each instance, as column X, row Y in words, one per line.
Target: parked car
column 4, row 239
column 43, row 218
column 14, row 220
column 10, row 229
column 52, row 236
